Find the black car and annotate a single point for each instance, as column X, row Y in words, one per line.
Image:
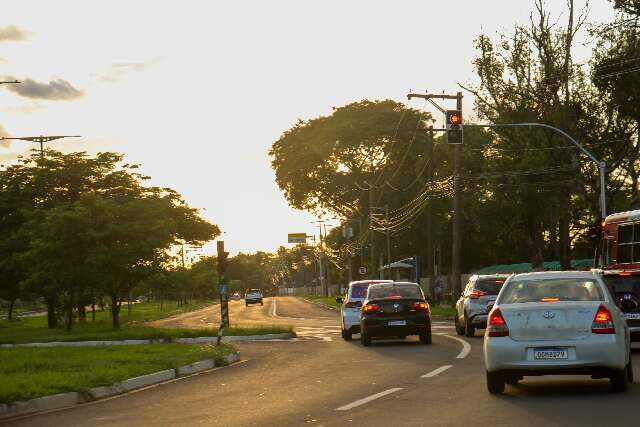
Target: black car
column 625, row 289
column 395, row 309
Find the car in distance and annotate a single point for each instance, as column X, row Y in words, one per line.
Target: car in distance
column 351, row 303
column 395, row 309
column 235, row 296
column 562, row 323
column 472, row 306
column 253, row 296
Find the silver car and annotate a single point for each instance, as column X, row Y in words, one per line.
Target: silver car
column 562, row 323
column 479, row 294
column 351, row 303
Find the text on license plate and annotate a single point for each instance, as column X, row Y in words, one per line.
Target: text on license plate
column 632, row 315
column 397, row 323
column 550, row 353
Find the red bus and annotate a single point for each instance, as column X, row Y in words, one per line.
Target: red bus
column 619, row 247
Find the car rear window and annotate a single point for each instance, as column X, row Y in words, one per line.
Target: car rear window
column 359, row 291
column 402, row 291
column 490, row 286
column 623, row 285
column 550, row 290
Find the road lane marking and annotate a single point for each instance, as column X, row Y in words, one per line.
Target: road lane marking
column 435, row 372
column 367, row 399
column 466, row 347
column 273, row 308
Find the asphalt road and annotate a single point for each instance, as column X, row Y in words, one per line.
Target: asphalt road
column 321, row 380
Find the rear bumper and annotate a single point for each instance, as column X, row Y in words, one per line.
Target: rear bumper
column 479, row 321
column 635, row 333
column 253, row 300
column 380, row 328
column 596, row 353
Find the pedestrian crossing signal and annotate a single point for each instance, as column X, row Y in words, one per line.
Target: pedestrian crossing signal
column 454, row 126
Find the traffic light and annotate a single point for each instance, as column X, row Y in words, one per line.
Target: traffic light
column 454, row 126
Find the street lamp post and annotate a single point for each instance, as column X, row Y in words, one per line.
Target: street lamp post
column 40, row 139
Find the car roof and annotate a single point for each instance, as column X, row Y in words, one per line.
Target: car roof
column 491, row 276
column 369, row 282
column 556, row 275
column 391, row 282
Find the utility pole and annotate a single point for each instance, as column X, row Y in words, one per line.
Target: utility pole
column 222, row 288
column 456, row 249
column 323, row 287
column 371, row 237
column 386, row 213
column 41, row 140
column 456, row 243
column 430, row 244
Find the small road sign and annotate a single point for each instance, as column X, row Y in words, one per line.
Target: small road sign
column 297, row 238
column 362, row 270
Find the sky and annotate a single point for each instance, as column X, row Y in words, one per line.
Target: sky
column 197, row 91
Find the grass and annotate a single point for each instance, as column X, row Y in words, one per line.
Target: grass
column 34, row 329
column 28, row 373
column 328, row 301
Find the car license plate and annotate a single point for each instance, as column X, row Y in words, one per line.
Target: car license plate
column 633, row 316
column 397, row 323
column 550, row 353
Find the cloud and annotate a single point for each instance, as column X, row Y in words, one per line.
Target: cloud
column 118, row 71
column 13, row 33
column 55, row 90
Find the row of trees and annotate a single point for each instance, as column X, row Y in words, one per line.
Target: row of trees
column 528, row 194
column 76, row 229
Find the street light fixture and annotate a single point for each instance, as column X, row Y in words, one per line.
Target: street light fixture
column 40, row 139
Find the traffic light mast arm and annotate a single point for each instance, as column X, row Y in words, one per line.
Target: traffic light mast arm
column 602, row 165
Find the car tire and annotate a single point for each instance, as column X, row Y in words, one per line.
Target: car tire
column 459, row 328
column 365, row 339
column 619, row 380
column 347, row 335
column 261, row 303
column 246, row 304
column 630, row 371
column 512, row 380
column 495, row 382
column 425, row 338
column 469, row 330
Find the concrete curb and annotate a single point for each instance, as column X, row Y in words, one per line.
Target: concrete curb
column 64, row 400
column 196, row 340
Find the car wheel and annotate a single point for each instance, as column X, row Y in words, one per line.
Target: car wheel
column 346, row 335
column 261, row 303
column 512, row 380
column 495, row 382
column 246, row 305
column 459, row 328
column 469, row 330
column 365, row 339
column 619, row 380
column 630, row 371
column 425, row 338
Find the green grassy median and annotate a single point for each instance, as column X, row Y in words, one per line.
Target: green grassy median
column 328, row 301
column 27, row 373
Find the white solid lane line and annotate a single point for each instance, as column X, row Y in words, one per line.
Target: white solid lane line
column 466, row 347
column 437, row 371
column 273, row 308
column 367, row 399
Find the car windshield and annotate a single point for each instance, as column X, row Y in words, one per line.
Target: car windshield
column 253, row 291
column 623, row 284
column 491, row 286
column 393, row 290
column 550, row 290
column 359, row 291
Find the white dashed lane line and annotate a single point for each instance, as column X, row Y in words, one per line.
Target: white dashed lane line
column 367, row 399
column 435, row 372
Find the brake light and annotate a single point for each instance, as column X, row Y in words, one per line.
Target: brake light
column 420, row 306
column 370, row 308
column 476, row 294
column 603, row 322
column 550, row 299
column 497, row 326
column 625, row 274
column 393, row 297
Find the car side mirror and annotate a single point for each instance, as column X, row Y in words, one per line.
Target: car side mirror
column 339, row 300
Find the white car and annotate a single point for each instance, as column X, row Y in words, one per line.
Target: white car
column 351, row 303
column 563, row 323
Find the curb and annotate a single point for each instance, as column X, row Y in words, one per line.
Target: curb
column 65, row 400
column 196, row 340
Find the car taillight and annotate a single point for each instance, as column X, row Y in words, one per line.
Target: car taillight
column 476, row 294
column 603, row 322
column 420, row 306
column 370, row 308
column 497, row 326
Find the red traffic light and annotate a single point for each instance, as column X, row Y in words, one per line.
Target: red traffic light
column 454, row 117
